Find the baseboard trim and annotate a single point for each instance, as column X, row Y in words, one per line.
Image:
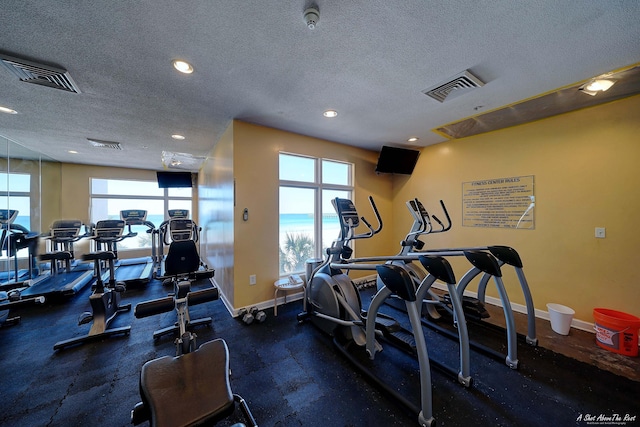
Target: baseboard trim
column 520, row 308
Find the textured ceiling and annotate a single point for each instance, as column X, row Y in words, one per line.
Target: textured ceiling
column 256, row 61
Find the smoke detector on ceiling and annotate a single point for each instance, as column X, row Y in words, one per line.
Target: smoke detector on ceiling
column 454, row 87
column 311, row 17
column 40, row 74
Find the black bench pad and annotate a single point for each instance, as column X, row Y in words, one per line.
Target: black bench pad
column 188, row 389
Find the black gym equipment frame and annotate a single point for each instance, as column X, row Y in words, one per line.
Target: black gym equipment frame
column 65, row 278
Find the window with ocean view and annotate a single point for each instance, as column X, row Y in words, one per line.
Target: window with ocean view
column 308, row 222
column 110, row 196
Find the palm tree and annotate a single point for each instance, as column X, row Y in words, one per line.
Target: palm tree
column 297, row 249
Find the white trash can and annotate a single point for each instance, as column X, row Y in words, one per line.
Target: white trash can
column 560, row 317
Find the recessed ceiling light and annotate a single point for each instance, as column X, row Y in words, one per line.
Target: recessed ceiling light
column 182, row 66
column 7, row 110
column 413, row 139
column 72, row 152
column 595, row 86
column 330, row 113
column 600, row 85
column 177, row 136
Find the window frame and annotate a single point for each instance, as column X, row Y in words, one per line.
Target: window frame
column 8, row 194
column 166, row 198
column 318, row 186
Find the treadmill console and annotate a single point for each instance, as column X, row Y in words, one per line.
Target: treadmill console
column 178, row 213
column 133, row 216
column 109, row 229
column 65, row 229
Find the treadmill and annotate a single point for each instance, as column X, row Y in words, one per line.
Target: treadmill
column 135, row 271
column 14, row 237
column 65, row 277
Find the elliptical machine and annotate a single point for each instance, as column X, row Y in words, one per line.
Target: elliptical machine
column 489, row 266
column 105, row 299
column 334, row 305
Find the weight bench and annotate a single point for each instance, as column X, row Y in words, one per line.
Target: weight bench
column 189, row 389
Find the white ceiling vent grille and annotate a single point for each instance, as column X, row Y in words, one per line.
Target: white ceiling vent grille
column 458, row 85
column 98, row 143
column 40, row 74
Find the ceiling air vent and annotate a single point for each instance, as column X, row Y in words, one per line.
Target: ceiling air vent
column 40, row 74
column 458, row 85
column 105, row 144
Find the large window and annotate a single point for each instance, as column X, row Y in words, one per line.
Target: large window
column 308, row 222
column 110, row 196
column 15, row 194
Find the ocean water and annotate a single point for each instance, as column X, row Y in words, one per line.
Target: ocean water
column 303, row 224
column 23, row 221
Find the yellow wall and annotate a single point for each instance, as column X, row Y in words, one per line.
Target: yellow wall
column 585, row 167
column 51, row 204
column 255, row 170
column 584, row 164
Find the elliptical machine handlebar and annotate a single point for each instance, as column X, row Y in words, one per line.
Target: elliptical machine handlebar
column 426, row 218
column 448, row 218
column 378, row 217
column 371, row 231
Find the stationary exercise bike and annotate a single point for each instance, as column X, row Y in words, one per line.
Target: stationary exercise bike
column 182, row 266
column 193, row 387
column 105, row 298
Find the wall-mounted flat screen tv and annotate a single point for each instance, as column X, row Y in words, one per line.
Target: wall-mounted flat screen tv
column 174, row 179
column 397, row 160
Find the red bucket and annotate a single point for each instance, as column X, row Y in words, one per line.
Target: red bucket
column 617, row 331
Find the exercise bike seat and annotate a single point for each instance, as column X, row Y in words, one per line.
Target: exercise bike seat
column 189, row 389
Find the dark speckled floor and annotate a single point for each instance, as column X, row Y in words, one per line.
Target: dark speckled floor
column 291, row 375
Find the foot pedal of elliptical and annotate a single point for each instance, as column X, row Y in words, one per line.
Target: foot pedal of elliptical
column 472, row 307
column 396, row 334
column 387, row 325
column 403, row 340
column 85, row 317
